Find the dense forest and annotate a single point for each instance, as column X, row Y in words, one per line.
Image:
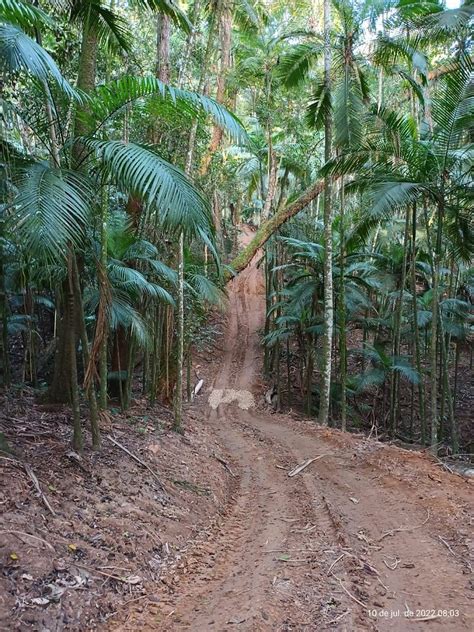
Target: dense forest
column 137, row 136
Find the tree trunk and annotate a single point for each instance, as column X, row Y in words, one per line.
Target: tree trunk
column 90, row 389
column 225, row 42
column 416, row 332
column 272, row 182
column 178, row 403
column 433, row 361
column 395, row 378
column 78, row 440
column 268, row 228
column 191, row 40
column 103, row 353
column 61, row 386
column 178, row 400
column 4, row 356
column 328, row 217
column 342, row 314
column 163, row 31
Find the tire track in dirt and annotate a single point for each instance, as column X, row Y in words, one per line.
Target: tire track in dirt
column 309, row 552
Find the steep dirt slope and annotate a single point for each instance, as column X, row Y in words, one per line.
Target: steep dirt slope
column 367, row 537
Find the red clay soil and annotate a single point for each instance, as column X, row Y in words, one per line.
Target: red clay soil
column 367, row 537
column 114, row 530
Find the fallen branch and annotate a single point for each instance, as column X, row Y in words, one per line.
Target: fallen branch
column 29, row 535
column 393, row 566
column 34, row 479
column 138, row 460
column 335, row 562
column 28, row 469
column 344, row 614
column 282, row 559
column 447, row 545
column 289, row 551
column 132, row 580
column 305, row 530
column 348, row 593
column 299, row 468
column 404, row 529
column 268, row 227
column 224, row 463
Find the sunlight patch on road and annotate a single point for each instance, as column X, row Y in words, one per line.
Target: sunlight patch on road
column 244, row 399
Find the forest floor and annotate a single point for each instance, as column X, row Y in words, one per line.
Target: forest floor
column 368, row 536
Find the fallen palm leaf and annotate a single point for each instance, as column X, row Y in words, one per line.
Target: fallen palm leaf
column 302, row 466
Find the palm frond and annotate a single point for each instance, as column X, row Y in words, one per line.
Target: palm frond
column 24, row 14
column 140, row 171
column 389, row 51
column 20, row 53
column 170, row 8
column 205, row 289
column 50, row 210
column 319, row 107
column 110, row 99
column 294, row 66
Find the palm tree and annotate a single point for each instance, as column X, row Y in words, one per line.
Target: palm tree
column 52, row 206
column 430, row 172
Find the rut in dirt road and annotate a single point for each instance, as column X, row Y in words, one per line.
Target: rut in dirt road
column 350, row 543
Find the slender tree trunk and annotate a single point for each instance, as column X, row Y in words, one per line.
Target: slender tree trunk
column 342, row 313
column 163, row 31
column 103, row 289
column 433, row 360
column 178, row 403
column 416, row 332
column 226, row 42
column 268, row 228
column 78, row 440
column 190, row 43
column 272, row 183
column 61, row 386
column 328, row 217
column 93, row 409
column 288, row 371
column 4, row 356
column 397, row 330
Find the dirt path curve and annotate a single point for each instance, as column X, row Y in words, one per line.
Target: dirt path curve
column 365, row 534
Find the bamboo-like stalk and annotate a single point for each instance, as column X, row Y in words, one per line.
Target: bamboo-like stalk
column 190, row 43
column 103, row 290
column 127, row 395
column 288, row 371
column 4, row 356
column 188, row 372
column 178, row 399
column 416, row 330
column 78, row 439
column 266, row 331
column 90, row 389
column 328, row 218
column 342, row 311
column 395, row 378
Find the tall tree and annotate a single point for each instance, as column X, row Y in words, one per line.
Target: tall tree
column 328, row 219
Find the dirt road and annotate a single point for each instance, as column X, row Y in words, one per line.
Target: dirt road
column 368, row 537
